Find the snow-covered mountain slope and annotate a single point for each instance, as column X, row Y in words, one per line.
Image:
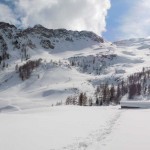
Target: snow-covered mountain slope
column 54, row 79
column 137, row 51
column 72, row 62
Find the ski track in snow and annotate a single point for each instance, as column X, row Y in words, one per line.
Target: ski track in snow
column 98, row 137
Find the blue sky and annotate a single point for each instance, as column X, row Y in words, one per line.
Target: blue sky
column 128, row 19
column 113, row 20
column 121, row 19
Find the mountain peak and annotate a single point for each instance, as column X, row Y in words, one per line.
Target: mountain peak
column 38, row 26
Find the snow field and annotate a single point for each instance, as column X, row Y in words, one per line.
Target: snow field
column 56, row 128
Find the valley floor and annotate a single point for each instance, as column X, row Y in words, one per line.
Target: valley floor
column 75, row 128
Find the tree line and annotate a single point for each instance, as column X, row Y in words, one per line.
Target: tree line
column 135, row 85
column 81, row 100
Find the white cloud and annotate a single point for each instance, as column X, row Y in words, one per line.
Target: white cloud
column 6, row 14
column 69, row 14
column 136, row 22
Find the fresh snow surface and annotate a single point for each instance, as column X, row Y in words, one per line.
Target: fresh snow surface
column 56, row 128
column 131, row 132
column 75, row 128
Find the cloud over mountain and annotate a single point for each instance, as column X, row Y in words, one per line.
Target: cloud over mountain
column 7, row 15
column 69, row 14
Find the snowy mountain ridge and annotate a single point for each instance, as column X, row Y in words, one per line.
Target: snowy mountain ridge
column 47, row 38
